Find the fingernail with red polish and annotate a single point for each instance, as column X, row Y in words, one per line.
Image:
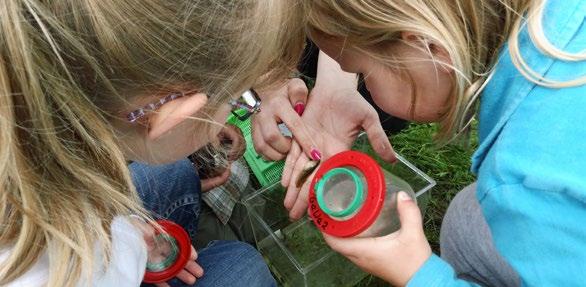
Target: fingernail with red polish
column 299, row 108
column 315, row 154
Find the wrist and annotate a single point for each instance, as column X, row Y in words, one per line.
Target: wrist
column 325, row 89
column 330, row 73
column 418, row 260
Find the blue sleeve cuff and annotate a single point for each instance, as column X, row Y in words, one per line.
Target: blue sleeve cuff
column 436, row 272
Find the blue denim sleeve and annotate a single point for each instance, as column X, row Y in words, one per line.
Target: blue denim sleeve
column 436, row 272
column 170, row 191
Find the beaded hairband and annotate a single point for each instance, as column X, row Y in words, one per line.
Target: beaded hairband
column 139, row 113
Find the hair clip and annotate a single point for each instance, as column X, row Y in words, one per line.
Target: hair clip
column 139, row 113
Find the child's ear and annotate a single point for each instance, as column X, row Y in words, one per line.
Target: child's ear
column 439, row 52
column 172, row 113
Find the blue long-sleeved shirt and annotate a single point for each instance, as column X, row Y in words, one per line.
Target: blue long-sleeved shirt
column 531, row 162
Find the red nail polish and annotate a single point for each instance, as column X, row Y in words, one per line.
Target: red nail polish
column 315, row 154
column 299, row 108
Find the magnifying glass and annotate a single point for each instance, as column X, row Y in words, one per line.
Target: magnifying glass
column 171, row 253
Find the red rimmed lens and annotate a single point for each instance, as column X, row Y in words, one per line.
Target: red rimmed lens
column 184, row 244
column 373, row 202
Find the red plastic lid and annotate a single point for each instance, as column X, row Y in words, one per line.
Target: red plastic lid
column 373, row 203
column 184, row 244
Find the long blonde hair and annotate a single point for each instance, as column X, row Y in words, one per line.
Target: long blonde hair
column 471, row 31
column 64, row 67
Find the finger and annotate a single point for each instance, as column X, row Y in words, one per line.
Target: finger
column 193, row 255
column 297, row 91
column 290, row 196
column 273, row 137
column 269, row 153
column 257, row 139
column 226, row 133
column 301, row 132
column 292, row 190
column 261, row 146
column 292, row 157
column 237, row 143
column 300, row 207
column 409, row 215
column 378, row 138
column 186, row 277
column 211, row 183
column 194, row 269
column 350, row 246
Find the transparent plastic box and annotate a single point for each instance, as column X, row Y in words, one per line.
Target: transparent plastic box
column 295, row 251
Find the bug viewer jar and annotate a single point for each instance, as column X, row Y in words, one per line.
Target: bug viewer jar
column 351, row 195
column 171, row 253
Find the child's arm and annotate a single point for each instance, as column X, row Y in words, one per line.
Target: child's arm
column 335, row 115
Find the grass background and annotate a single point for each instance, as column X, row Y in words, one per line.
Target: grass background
column 448, row 165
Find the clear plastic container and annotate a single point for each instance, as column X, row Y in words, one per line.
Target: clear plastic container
column 295, row 251
column 350, row 195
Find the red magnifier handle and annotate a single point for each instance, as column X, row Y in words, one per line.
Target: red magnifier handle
column 184, row 245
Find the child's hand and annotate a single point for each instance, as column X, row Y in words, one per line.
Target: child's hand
column 211, row 183
column 395, row 257
column 231, row 137
column 190, row 273
column 334, row 117
column 157, row 250
column 282, row 105
column 216, row 172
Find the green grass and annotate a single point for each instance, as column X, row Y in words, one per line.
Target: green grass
column 448, row 165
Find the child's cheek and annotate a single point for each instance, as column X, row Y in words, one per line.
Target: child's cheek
column 390, row 94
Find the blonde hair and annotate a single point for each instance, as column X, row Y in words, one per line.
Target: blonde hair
column 471, row 31
column 65, row 65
